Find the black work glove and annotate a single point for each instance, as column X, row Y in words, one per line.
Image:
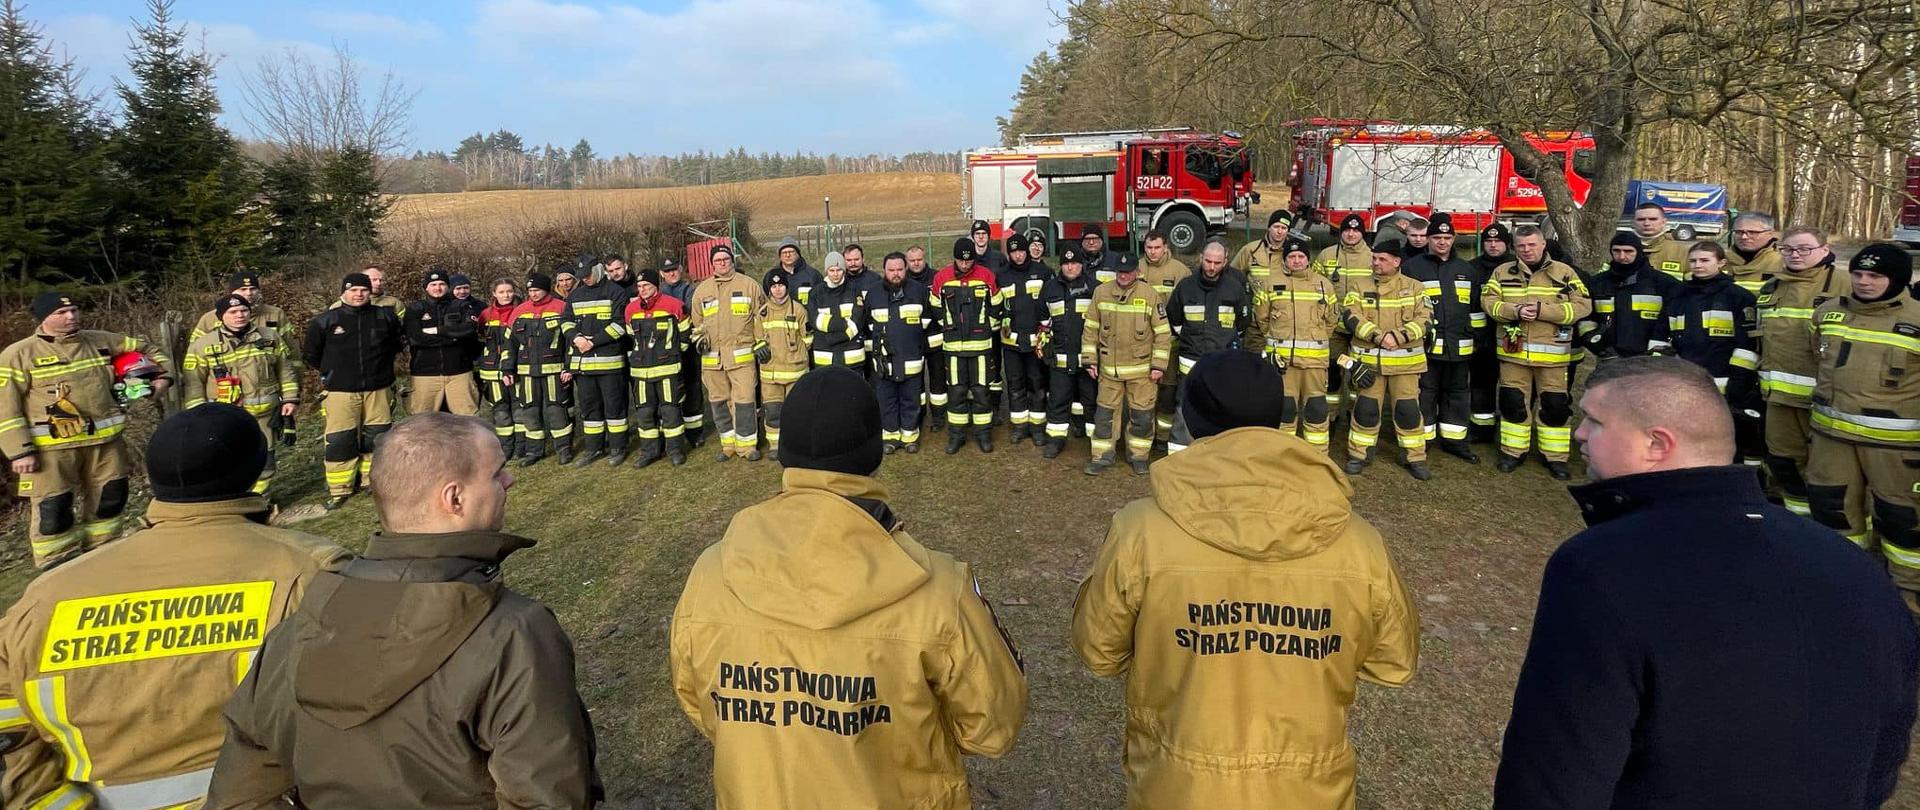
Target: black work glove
column 762, row 352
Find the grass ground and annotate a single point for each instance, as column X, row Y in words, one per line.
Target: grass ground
column 615, row 547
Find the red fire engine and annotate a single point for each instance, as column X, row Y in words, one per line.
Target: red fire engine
column 1373, row 168
column 1052, row 185
column 1906, row 228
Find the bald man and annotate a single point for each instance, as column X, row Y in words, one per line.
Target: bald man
column 1786, row 659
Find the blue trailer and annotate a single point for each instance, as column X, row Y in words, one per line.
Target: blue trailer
column 1694, row 210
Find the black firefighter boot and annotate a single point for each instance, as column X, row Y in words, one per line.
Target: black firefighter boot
column 1051, row 448
column 956, row 437
column 677, row 451
column 649, row 453
column 1017, row 433
column 983, row 436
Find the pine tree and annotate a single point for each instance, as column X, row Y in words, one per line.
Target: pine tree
column 289, row 186
column 183, row 200
column 52, row 213
column 349, row 187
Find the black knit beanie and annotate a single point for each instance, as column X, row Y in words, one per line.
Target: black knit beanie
column 831, row 422
column 211, row 452
column 1232, row 388
column 229, row 301
column 1887, row 260
column 1280, row 215
column 48, row 303
column 356, row 280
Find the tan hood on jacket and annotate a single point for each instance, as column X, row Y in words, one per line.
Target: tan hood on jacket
column 1258, row 495
column 818, row 559
column 369, row 642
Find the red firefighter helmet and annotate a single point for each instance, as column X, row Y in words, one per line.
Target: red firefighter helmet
column 134, row 365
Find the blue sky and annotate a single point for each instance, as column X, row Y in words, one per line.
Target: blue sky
column 646, row 76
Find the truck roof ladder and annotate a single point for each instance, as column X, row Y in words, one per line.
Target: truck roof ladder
column 1027, row 138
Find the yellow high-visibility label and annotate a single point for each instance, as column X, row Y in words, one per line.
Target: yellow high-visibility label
column 144, row 625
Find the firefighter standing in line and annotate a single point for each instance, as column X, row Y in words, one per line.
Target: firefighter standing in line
column 1294, row 318
column 1261, row 257
column 934, row 388
column 246, row 284
column 877, row 660
column 1712, row 323
column 693, row 404
column 495, row 370
column 1452, row 286
column 965, row 294
column 1535, row 303
column 836, row 333
column 902, row 323
column 246, row 366
column 413, row 677
column 723, row 318
column 565, row 278
column 801, row 277
column 441, row 332
column 864, row 280
column 1210, row 311
column 1022, row 369
column 598, row 339
column 780, row 348
column 1246, row 574
column 1788, row 362
column 1496, row 248
column 353, row 346
column 61, row 416
column 1389, row 317
column 1755, row 257
column 1350, row 259
column 1071, row 392
column 1163, row 272
column 620, row 274
column 1099, row 261
column 1863, row 464
column 542, row 381
column 1666, row 254
column 1126, row 347
column 657, row 325
column 137, row 724
column 1627, row 299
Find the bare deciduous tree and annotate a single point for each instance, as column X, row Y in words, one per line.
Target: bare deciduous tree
column 309, row 109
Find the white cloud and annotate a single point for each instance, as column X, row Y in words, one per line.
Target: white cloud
column 369, row 24
column 1001, row 21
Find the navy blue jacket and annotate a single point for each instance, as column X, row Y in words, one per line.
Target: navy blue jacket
column 1697, row 647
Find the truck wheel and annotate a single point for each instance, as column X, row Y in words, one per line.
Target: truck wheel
column 1036, row 229
column 1185, row 231
column 1684, row 233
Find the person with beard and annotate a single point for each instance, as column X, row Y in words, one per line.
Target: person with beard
column 1452, row 286
column 933, row 395
column 244, row 365
column 657, row 325
column 495, row 372
column 1535, row 303
column 863, row 279
column 440, row 335
column 1788, row 363
column 990, row 256
column 1210, row 311
column 1023, row 303
column 1627, row 299
column 1754, row 258
column 780, row 347
column 1863, row 465
column 901, row 323
column 1711, row 322
column 1260, row 257
column 1070, row 391
column 836, row 331
column 693, row 408
column 1496, row 248
column 598, row 336
column 1294, row 318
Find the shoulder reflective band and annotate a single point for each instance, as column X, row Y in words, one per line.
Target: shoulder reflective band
column 143, row 625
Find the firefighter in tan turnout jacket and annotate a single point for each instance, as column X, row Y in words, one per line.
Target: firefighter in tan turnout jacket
column 833, row 661
column 723, row 318
column 1788, row 362
column 1245, row 576
column 1863, row 466
column 1534, row 303
column 1295, row 313
column 61, row 416
column 114, row 668
column 1388, row 315
column 241, row 364
column 1126, row 345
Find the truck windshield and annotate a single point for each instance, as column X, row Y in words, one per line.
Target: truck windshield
column 1203, row 165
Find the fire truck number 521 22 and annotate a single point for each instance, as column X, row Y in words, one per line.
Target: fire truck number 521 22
column 1153, row 183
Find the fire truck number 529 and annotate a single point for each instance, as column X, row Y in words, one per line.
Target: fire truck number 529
column 1153, row 183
